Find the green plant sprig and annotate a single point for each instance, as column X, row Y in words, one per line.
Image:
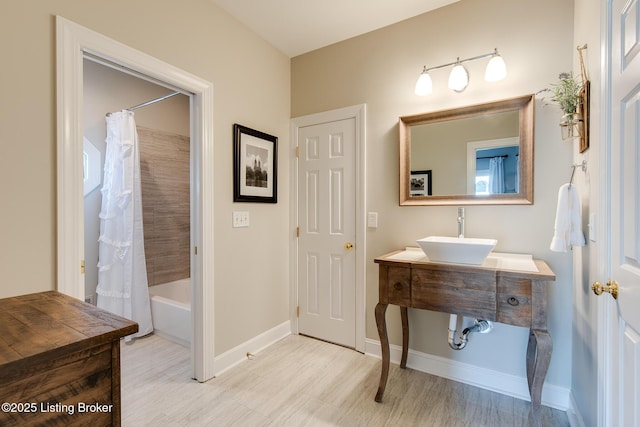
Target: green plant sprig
column 566, row 93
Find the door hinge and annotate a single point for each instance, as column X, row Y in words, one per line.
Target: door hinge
column 81, row 266
column 298, row 151
column 298, row 311
column 195, row 250
column 297, row 231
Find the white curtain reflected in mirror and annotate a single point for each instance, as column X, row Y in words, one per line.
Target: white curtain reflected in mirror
column 496, row 175
column 493, row 167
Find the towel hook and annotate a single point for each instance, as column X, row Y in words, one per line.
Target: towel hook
column 582, row 166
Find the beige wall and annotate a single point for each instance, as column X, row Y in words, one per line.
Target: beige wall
column 251, row 87
column 380, row 69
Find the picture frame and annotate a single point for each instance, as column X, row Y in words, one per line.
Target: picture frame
column 255, row 166
column 420, row 183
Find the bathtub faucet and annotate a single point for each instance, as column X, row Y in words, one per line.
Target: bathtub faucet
column 461, row 222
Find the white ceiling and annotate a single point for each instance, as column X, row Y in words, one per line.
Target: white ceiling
column 299, row 26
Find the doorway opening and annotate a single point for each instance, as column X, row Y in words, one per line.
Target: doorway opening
column 73, row 42
column 163, row 129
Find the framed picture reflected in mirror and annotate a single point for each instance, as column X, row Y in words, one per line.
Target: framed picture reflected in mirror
column 420, row 183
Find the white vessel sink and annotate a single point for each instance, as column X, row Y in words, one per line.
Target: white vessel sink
column 459, row 250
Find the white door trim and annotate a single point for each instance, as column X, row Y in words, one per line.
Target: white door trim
column 357, row 112
column 72, row 41
column 606, row 324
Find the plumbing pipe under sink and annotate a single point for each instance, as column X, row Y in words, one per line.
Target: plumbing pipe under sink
column 482, row 326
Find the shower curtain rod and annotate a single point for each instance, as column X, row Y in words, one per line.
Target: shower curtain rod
column 504, row 156
column 153, row 101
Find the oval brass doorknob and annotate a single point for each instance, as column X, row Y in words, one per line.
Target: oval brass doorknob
column 611, row 287
column 348, row 246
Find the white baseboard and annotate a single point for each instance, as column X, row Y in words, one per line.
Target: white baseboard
column 574, row 416
column 500, row 382
column 231, row 358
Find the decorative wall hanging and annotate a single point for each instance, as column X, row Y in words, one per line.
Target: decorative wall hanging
column 573, row 98
column 567, row 94
column 255, row 166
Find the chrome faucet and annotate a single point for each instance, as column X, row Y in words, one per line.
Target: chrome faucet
column 461, row 222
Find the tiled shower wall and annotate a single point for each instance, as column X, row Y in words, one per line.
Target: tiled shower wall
column 164, row 165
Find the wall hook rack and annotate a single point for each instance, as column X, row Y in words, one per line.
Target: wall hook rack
column 582, row 166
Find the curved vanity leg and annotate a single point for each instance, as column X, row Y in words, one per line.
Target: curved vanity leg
column 405, row 336
column 538, row 358
column 384, row 345
column 531, row 357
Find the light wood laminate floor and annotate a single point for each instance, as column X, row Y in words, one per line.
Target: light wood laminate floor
column 300, row 381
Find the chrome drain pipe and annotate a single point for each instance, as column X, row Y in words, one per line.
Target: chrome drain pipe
column 481, row 326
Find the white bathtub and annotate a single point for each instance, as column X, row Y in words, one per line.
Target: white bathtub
column 171, row 311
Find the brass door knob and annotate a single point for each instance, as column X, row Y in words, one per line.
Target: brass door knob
column 348, row 246
column 611, row 287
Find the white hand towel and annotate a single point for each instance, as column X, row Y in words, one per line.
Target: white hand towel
column 568, row 226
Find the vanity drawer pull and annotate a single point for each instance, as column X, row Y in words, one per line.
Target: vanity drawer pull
column 398, row 286
column 513, row 301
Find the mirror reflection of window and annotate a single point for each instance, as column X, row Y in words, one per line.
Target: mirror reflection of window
column 91, row 166
column 482, row 183
column 497, row 170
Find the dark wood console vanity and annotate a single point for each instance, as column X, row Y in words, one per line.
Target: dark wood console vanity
column 59, row 361
column 512, row 297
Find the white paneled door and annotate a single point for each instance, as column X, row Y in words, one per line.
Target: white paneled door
column 623, row 198
column 327, row 231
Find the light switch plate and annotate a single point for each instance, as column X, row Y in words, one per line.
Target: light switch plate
column 240, row 219
column 372, row 219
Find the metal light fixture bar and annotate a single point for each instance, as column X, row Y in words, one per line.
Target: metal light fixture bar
column 460, row 61
column 459, row 77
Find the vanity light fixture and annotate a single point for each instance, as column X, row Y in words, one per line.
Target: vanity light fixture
column 459, row 78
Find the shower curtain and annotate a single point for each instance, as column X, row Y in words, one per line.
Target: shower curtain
column 496, row 175
column 122, row 272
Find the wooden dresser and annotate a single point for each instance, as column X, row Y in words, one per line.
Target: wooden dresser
column 508, row 296
column 59, row 361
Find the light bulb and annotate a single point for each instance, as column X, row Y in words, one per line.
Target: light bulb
column 424, row 85
column 459, row 78
column 496, row 69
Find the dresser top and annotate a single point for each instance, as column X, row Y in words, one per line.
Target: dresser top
column 49, row 324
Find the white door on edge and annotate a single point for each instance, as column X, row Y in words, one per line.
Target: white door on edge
column 623, row 198
column 326, row 221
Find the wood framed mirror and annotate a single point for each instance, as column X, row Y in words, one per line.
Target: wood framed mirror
column 475, row 155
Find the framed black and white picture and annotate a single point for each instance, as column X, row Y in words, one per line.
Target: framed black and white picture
column 255, row 166
column 420, row 183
